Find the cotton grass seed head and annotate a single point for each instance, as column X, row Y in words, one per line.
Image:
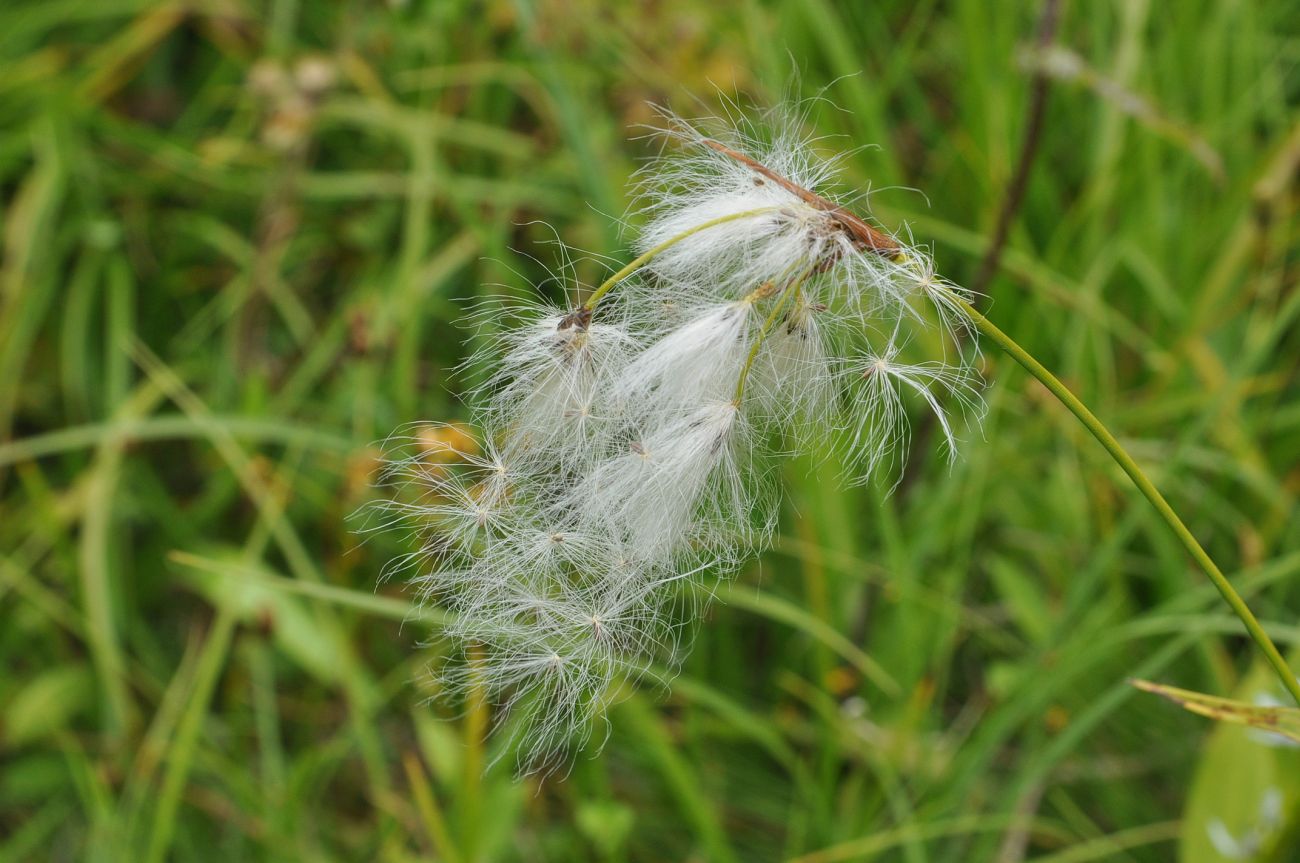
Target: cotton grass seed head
column 696, row 362
column 545, row 398
column 709, row 172
column 629, row 435
column 651, row 494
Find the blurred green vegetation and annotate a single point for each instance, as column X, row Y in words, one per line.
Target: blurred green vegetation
column 237, row 237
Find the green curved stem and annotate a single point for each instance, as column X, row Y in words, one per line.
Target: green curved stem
column 645, row 257
column 790, row 289
column 1144, row 484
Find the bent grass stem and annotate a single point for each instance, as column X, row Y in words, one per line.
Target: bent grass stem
column 646, row 256
column 1144, row 484
column 786, row 293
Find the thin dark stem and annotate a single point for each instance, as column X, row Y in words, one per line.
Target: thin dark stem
column 1034, row 113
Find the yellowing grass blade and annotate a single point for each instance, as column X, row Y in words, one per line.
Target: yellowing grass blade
column 1277, row 720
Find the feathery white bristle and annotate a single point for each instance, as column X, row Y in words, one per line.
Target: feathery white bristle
column 788, row 233
column 545, row 395
column 793, row 377
column 880, row 424
column 649, row 495
column 696, row 362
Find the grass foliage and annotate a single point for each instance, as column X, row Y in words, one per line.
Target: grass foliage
column 237, row 237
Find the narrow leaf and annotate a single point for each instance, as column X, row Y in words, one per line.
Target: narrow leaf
column 1276, row 720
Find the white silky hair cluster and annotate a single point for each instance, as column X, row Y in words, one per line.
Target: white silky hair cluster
column 627, row 442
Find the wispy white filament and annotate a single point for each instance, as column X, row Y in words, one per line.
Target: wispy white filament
column 878, row 385
column 694, row 363
column 545, row 395
column 651, row 494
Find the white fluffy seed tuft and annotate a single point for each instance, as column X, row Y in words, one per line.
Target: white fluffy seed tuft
column 627, row 443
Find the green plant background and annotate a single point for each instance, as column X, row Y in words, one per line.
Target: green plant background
column 237, row 238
